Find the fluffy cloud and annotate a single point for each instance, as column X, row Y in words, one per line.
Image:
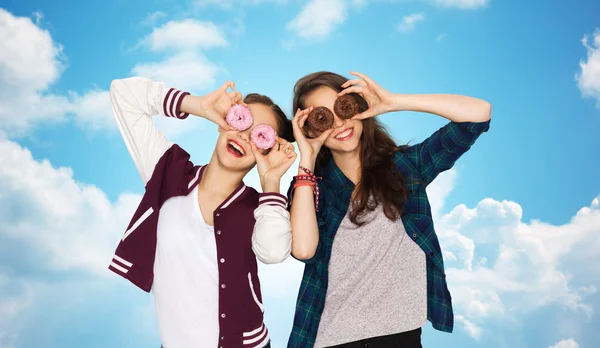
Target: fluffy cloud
column 28, row 71
column 409, row 22
column 570, row 343
column 185, row 35
column 69, row 225
column 231, row 4
column 318, row 19
column 502, row 266
column 56, row 239
column 188, row 71
column 588, row 79
column 461, row 4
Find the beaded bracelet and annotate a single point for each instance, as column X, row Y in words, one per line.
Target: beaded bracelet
column 309, row 180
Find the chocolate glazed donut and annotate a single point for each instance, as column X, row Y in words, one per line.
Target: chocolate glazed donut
column 319, row 120
column 346, row 106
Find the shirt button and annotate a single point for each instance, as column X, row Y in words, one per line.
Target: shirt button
column 222, row 260
column 218, row 214
column 223, row 286
column 219, row 232
column 414, row 235
column 223, row 315
column 222, row 337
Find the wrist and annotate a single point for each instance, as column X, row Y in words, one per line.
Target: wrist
column 308, row 163
column 270, row 185
column 193, row 104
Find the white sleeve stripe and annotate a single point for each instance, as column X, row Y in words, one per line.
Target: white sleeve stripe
column 178, row 95
column 272, row 204
column 168, row 101
column 273, row 196
column 114, row 265
column 126, row 263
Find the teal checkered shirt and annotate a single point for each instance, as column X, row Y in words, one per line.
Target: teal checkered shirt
column 420, row 164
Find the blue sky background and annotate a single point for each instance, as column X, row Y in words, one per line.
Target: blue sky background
column 518, row 216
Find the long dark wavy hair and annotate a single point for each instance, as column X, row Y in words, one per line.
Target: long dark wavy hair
column 381, row 182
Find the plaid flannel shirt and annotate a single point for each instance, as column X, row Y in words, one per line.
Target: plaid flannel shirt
column 420, row 164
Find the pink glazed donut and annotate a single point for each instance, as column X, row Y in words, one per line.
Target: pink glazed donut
column 263, row 136
column 239, row 117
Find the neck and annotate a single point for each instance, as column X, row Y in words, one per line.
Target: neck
column 219, row 180
column 349, row 163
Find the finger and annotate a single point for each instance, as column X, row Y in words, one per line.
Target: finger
column 225, row 126
column 236, row 96
column 353, row 89
column 302, row 120
column 364, row 77
column 360, row 82
column 226, row 85
column 256, row 151
column 281, row 141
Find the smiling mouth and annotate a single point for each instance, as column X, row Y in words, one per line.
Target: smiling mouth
column 235, row 149
column 345, row 135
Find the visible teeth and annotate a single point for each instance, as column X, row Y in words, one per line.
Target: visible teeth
column 237, row 147
column 344, row 134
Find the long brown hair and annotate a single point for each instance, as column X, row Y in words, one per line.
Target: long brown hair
column 285, row 125
column 380, row 182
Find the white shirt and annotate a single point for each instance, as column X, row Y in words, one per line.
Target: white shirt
column 186, row 277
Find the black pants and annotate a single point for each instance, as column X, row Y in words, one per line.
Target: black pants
column 409, row 339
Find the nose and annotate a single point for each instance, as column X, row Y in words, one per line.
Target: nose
column 244, row 135
column 338, row 122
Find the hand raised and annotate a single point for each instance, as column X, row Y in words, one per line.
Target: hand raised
column 379, row 99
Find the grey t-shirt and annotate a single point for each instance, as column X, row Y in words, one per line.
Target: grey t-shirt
column 377, row 282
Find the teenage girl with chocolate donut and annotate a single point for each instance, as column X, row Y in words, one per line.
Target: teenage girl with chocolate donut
column 361, row 220
column 195, row 237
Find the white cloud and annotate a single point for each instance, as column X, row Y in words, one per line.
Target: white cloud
column 471, row 329
column 588, row 79
column 409, row 22
column 525, row 271
column 11, row 306
column 231, row 4
column 72, row 226
column 570, row 343
column 185, row 35
column 187, row 71
column 153, row 17
column 462, row 4
column 440, row 38
column 318, row 19
column 26, row 71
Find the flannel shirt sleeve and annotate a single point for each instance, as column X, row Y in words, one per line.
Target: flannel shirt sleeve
column 443, row 148
column 290, row 196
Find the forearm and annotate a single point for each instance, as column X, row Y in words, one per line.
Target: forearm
column 192, row 104
column 305, row 228
column 456, row 108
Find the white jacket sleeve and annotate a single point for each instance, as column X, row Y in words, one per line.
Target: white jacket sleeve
column 134, row 101
column 272, row 237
